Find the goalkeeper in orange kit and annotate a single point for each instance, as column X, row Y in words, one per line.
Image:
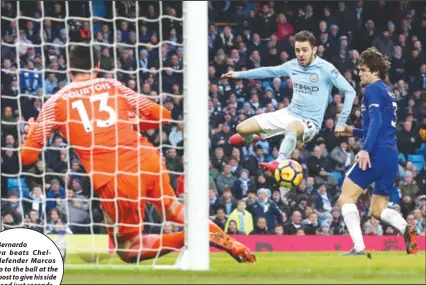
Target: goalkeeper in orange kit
column 94, row 116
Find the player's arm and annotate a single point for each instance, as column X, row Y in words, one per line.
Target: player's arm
column 357, row 132
column 39, row 131
column 147, row 109
column 351, row 132
column 375, row 114
column 261, row 72
column 347, row 90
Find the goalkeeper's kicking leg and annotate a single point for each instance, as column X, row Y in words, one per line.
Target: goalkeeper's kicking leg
column 270, row 124
column 175, row 212
column 122, row 206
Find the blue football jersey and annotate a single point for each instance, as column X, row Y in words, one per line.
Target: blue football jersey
column 380, row 98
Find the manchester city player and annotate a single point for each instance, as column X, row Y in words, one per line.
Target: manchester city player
column 377, row 162
column 313, row 79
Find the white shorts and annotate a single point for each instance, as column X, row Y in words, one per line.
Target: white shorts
column 276, row 123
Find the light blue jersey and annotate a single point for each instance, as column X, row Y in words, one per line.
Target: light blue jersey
column 312, row 87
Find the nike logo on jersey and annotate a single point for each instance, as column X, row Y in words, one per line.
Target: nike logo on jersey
column 374, row 105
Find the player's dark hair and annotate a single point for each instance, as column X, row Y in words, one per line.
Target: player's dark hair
column 375, row 61
column 83, row 57
column 305, row 36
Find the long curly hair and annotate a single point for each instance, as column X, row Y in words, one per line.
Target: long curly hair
column 375, row 61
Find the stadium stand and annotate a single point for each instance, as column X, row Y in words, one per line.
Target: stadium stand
column 242, row 35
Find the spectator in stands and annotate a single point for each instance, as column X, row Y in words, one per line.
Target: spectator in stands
column 283, row 206
column 227, row 201
column 242, row 185
column 373, row 227
column 311, row 225
column 327, row 133
column 328, row 180
column 33, row 221
column 219, row 160
column 315, row 162
column 226, row 179
column 407, row 205
column 337, row 225
column 411, row 220
column 242, row 218
column 294, row 224
column 37, row 175
column 220, row 219
column 419, row 221
column 408, row 139
column 12, row 206
column 53, row 194
column 76, row 207
column 266, row 208
column 408, row 185
column 36, row 201
column 213, row 201
column 10, row 161
column 9, row 222
column 261, row 227
column 8, row 122
column 233, row 228
column 342, row 157
column 323, row 201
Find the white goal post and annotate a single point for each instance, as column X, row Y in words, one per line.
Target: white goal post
column 195, row 254
column 196, row 144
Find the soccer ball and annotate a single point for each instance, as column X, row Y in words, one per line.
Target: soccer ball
column 289, row 173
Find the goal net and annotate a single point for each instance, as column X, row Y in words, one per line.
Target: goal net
column 157, row 49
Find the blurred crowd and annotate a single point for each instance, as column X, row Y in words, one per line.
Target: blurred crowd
column 145, row 52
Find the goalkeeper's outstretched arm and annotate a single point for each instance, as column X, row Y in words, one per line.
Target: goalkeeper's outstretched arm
column 151, row 113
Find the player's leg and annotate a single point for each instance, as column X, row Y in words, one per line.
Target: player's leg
column 166, row 203
column 124, row 216
column 140, row 248
column 379, row 201
column 295, row 129
column 380, row 211
column 350, row 194
column 247, row 132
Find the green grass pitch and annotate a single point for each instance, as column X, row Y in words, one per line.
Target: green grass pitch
column 295, row 267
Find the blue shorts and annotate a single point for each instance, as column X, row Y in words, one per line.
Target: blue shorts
column 383, row 170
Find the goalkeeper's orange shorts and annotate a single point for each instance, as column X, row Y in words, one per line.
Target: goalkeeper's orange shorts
column 123, row 198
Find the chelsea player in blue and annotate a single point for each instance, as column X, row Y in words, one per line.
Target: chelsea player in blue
column 313, row 79
column 377, row 162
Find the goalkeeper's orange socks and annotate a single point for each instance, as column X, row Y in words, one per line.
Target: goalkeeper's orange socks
column 218, row 238
column 176, row 213
column 148, row 247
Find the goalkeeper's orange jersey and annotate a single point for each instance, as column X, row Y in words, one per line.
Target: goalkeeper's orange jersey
column 94, row 117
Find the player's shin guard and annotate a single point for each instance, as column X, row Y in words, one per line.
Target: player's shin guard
column 353, row 223
column 287, row 145
column 147, row 247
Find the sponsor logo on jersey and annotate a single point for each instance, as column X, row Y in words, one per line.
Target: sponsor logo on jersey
column 302, row 88
column 334, row 73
